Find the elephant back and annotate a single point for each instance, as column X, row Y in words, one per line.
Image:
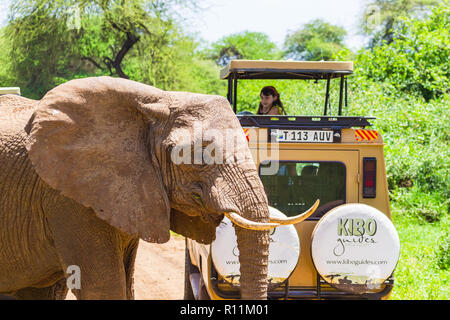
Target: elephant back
column 15, row 111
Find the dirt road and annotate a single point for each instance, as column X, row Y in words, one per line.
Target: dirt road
column 159, row 271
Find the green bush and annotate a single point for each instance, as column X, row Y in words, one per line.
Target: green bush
column 416, row 133
column 421, row 205
column 417, row 59
column 443, row 250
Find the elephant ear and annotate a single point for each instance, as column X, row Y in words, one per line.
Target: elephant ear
column 193, row 227
column 89, row 139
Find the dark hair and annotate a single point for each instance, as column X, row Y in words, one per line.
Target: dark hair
column 271, row 91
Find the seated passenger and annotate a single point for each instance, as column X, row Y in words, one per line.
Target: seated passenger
column 270, row 102
column 288, row 170
column 309, row 171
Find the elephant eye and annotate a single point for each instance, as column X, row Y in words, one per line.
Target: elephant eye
column 197, row 198
column 196, row 193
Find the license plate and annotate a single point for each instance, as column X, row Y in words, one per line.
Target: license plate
column 315, row 136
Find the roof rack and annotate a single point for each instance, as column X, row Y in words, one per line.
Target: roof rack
column 310, row 122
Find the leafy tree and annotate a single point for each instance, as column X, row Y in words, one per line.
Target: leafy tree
column 6, row 78
column 416, row 61
column 37, row 43
column 243, row 45
column 381, row 17
column 317, row 40
column 51, row 41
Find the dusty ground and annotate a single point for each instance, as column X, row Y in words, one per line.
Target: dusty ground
column 159, row 271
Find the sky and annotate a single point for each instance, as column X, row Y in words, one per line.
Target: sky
column 276, row 17
column 219, row 18
column 4, row 4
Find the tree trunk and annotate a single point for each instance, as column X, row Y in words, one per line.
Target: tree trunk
column 129, row 43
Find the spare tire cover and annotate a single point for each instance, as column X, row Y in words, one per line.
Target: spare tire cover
column 284, row 250
column 355, row 248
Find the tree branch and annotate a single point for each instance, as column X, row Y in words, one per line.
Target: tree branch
column 93, row 62
column 109, row 63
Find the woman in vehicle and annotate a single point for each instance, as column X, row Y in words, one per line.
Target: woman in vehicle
column 270, row 102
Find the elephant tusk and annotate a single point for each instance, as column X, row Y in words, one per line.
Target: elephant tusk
column 248, row 224
column 298, row 218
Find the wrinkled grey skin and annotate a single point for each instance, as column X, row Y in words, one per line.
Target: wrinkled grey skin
column 87, row 171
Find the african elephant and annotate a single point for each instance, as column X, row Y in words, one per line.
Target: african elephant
column 88, row 171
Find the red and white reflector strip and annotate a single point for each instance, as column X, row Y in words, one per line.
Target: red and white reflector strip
column 247, row 133
column 365, row 135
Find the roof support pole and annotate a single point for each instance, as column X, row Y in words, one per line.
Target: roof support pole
column 341, row 97
column 346, row 95
column 235, row 93
column 327, row 94
column 230, row 91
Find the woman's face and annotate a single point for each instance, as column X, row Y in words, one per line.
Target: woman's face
column 267, row 101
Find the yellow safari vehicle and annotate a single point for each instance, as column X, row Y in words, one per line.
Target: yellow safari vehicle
column 349, row 248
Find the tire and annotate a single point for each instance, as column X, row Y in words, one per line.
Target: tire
column 189, row 268
column 203, row 293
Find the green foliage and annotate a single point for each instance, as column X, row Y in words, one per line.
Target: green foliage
column 51, row 42
column 202, row 76
column 417, row 59
column 421, row 205
column 243, row 45
column 37, row 45
column 443, row 250
column 416, row 136
column 317, row 40
column 6, row 78
column 382, row 17
column 176, row 66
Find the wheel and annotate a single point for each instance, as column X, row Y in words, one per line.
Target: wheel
column 203, row 293
column 189, row 268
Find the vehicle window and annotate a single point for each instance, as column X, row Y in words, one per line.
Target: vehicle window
column 297, row 185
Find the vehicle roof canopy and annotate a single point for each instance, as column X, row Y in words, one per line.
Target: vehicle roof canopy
column 276, row 69
column 9, row 90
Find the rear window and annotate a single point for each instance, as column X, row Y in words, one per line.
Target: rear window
column 297, row 185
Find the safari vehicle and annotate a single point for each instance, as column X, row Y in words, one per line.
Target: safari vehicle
column 348, row 249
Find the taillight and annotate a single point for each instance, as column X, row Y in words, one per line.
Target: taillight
column 369, row 177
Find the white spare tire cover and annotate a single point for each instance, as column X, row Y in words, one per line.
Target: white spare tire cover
column 355, row 248
column 284, row 250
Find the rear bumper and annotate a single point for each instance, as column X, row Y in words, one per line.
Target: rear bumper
column 321, row 291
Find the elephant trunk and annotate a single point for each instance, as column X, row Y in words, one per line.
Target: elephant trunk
column 253, row 248
column 249, row 197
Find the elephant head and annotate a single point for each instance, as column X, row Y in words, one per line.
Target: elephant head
column 139, row 157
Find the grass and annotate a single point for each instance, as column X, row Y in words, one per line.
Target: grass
column 418, row 275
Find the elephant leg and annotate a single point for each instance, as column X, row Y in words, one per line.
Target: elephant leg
column 129, row 259
column 91, row 251
column 57, row 291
